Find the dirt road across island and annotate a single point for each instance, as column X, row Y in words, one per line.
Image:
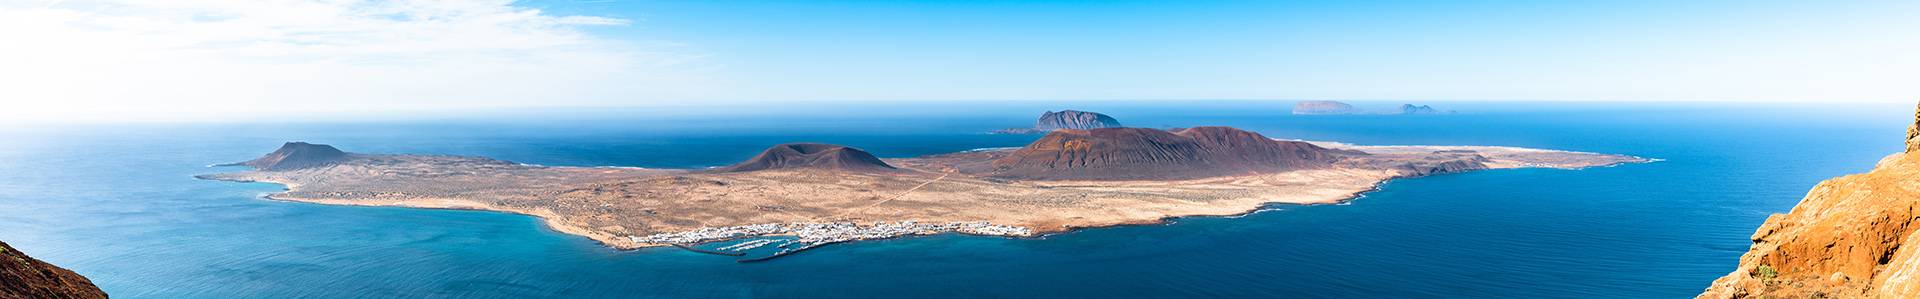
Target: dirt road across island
column 889, row 199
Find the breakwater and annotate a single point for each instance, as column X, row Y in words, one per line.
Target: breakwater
column 715, row 252
column 814, row 235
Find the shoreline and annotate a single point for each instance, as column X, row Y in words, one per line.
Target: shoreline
column 547, row 220
column 554, row 222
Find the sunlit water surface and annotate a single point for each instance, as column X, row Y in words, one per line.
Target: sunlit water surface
column 118, row 203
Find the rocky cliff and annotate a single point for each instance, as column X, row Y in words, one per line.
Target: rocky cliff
column 23, row 277
column 817, row 156
column 1323, row 108
column 1851, row 237
column 296, row 155
column 1913, row 133
column 1141, row 153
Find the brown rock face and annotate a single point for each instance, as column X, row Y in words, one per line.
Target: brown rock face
column 23, row 277
column 1913, row 132
column 1323, row 107
column 1141, row 153
column 817, row 156
column 1075, row 120
column 297, row 155
column 1851, row 237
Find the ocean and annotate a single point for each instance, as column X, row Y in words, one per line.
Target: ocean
column 118, row 203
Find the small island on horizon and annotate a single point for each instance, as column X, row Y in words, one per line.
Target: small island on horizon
column 1065, row 119
column 822, row 194
column 1342, row 108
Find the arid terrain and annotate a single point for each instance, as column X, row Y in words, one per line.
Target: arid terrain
column 815, row 184
column 24, row 277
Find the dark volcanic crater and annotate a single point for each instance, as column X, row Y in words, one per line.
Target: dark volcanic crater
column 812, row 156
column 1148, row 154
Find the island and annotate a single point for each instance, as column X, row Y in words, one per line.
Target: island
column 1342, row 108
column 821, row 194
column 1323, row 108
column 1421, row 109
column 1065, row 119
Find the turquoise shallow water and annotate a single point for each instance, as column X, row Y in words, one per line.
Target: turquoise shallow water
column 118, row 204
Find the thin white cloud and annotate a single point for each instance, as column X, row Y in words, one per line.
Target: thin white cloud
column 190, row 58
column 591, row 20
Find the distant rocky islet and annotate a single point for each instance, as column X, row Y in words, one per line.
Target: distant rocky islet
column 1342, row 108
column 1323, row 108
column 1066, row 119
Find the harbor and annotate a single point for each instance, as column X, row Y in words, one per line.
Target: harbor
column 813, row 235
column 713, row 252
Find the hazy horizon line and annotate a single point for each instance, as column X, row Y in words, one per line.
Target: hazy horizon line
column 432, row 113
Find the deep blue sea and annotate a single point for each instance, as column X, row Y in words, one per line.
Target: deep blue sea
column 117, row 203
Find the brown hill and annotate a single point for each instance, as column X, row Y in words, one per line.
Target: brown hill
column 1141, row 153
column 23, row 277
column 296, row 155
column 1856, row 236
column 811, row 156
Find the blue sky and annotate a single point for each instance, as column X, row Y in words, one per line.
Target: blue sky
column 1286, row 49
column 639, row 53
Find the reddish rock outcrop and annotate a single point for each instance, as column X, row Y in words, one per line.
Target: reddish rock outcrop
column 818, row 156
column 23, row 277
column 1913, row 132
column 1141, row 153
column 297, row 155
column 1851, row 237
